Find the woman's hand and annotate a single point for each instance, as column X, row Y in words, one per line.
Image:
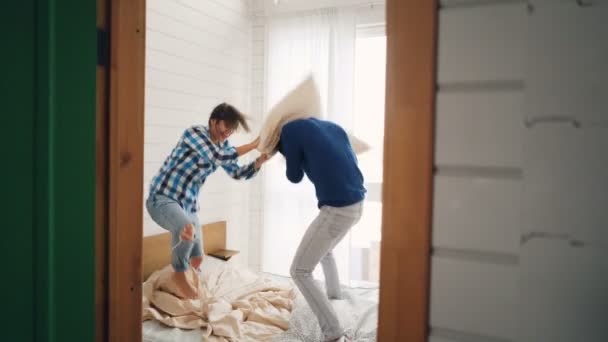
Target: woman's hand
column 261, row 160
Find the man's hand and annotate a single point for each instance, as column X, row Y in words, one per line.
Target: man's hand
column 261, row 160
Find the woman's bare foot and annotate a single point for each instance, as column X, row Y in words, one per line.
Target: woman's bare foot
column 187, row 290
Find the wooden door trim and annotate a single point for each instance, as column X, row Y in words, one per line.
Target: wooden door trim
column 408, row 170
column 125, row 173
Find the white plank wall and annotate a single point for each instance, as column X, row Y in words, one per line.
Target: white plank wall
column 199, row 53
column 478, row 180
column 257, row 107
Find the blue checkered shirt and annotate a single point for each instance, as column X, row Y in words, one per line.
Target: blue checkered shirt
column 190, row 163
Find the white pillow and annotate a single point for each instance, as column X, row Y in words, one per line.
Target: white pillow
column 359, row 146
column 301, row 102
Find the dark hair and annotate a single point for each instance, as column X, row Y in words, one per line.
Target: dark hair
column 230, row 115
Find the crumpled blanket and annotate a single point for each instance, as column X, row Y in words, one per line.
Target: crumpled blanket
column 234, row 305
column 302, row 102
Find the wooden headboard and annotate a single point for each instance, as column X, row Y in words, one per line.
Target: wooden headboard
column 156, row 252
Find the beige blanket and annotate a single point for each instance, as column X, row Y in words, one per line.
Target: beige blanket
column 235, row 304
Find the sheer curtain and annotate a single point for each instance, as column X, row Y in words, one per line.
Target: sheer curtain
column 321, row 42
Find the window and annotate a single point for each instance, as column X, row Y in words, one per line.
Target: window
column 370, row 65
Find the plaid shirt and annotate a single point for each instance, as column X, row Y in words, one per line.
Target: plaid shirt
column 190, row 163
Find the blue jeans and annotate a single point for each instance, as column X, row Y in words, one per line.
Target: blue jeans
column 169, row 214
column 316, row 247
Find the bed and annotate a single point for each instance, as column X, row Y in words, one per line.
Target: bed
column 239, row 304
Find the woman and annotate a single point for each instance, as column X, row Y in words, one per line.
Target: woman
column 172, row 201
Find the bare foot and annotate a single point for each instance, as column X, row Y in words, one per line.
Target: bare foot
column 187, row 290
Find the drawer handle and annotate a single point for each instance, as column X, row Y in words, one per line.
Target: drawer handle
column 580, row 3
column 544, row 235
column 584, row 3
column 534, row 121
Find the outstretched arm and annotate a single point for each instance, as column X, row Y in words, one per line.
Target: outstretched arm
column 244, row 149
column 234, row 170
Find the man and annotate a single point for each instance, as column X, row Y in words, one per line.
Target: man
column 321, row 150
column 172, row 201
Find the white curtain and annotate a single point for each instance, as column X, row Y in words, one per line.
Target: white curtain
column 321, row 42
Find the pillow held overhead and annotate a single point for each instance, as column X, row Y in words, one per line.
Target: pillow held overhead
column 301, row 102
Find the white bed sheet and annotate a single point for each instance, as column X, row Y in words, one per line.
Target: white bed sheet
column 358, row 312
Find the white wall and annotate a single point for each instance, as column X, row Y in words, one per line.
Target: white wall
column 257, row 109
column 198, row 54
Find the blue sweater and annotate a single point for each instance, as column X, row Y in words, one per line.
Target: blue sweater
column 321, row 149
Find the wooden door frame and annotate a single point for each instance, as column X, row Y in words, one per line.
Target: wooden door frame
column 125, row 145
column 408, row 170
column 411, row 29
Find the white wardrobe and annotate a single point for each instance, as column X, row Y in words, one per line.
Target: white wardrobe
column 564, row 238
column 520, row 222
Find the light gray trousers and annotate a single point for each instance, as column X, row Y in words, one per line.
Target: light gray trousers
column 324, row 233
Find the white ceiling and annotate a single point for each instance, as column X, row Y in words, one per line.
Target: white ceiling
column 270, row 7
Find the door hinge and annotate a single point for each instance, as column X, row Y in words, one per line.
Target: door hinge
column 103, row 47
